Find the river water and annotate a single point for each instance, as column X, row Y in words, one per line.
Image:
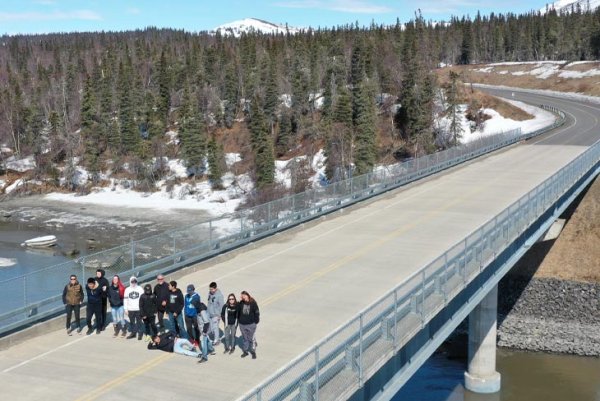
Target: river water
column 526, row 376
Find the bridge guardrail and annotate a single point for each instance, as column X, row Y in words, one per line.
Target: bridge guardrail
column 35, row 296
column 341, row 363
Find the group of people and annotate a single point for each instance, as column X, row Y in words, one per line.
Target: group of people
column 193, row 326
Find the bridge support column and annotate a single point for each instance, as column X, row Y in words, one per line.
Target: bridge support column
column 481, row 376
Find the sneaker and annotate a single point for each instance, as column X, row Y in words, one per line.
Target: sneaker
column 124, row 334
column 79, row 330
column 89, row 331
column 245, row 354
column 213, row 352
column 202, row 360
column 116, row 331
column 140, row 337
column 226, row 350
column 69, row 331
column 98, row 331
column 253, row 355
column 129, row 337
column 231, row 351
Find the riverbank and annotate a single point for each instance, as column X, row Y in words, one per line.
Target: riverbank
column 550, row 301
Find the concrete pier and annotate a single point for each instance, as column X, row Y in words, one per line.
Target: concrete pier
column 481, row 376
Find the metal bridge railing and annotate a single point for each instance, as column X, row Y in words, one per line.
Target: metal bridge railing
column 37, row 295
column 341, row 363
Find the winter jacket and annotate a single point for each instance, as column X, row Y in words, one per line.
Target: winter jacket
column 94, row 294
column 148, row 305
column 72, row 294
column 229, row 314
column 103, row 282
column 215, row 303
column 175, row 303
column 167, row 342
column 162, row 294
column 114, row 296
column 248, row 312
column 132, row 296
column 192, row 305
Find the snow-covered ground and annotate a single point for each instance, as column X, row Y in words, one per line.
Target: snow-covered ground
column 542, row 69
column 248, row 25
column 497, row 123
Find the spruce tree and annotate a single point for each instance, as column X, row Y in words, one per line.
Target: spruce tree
column 453, row 109
column 89, row 129
column 262, row 146
column 216, row 163
column 192, row 135
column 164, row 90
column 365, row 149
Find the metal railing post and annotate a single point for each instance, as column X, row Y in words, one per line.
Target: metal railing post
column 132, row 255
column 316, row 386
column 174, row 251
column 360, row 352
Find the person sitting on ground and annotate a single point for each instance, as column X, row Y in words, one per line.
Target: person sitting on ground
column 148, row 309
column 168, row 342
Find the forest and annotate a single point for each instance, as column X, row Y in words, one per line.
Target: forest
column 366, row 95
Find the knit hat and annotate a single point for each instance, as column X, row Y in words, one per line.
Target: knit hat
column 191, row 288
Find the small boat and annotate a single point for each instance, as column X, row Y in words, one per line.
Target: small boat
column 41, row 242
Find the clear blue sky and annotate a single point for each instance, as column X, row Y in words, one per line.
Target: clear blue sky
column 43, row 16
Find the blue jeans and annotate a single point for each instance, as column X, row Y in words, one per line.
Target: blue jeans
column 184, row 347
column 206, row 346
column 177, row 325
column 118, row 315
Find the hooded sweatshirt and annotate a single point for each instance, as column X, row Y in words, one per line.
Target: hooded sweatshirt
column 116, row 294
column 167, row 342
column 148, row 303
column 175, row 302
column 132, row 295
column 94, row 294
column 103, row 282
column 215, row 303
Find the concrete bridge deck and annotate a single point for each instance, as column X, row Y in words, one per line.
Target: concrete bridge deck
column 307, row 282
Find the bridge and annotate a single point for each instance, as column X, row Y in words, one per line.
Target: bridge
column 354, row 302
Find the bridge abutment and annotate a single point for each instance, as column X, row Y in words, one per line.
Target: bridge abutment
column 481, row 376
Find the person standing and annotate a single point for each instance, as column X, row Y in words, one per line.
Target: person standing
column 116, row 293
column 248, row 318
column 148, row 309
column 191, row 308
column 132, row 307
column 168, row 342
column 72, row 299
column 103, row 283
column 215, row 302
column 204, row 322
column 161, row 290
column 94, row 305
column 174, row 308
column 229, row 315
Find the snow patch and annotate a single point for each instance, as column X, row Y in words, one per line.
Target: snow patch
column 570, row 74
column 249, row 25
column 286, row 100
column 15, row 185
column 7, row 262
column 232, row 158
column 20, row 165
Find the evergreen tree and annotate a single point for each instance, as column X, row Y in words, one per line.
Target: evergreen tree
column 164, row 92
column 89, row 129
column 262, row 145
column 453, row 109
column 130, row 136
column 365, row 150
column 216, row 163
column 192, row 133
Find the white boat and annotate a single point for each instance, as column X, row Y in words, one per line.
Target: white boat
column 41, row 242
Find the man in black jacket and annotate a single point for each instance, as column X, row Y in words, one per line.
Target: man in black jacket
column 175, row 309
column 168, row 342
column 161, row 290
column 148, row 309
column 103, row 283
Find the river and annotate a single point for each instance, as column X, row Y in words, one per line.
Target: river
column 526, row 376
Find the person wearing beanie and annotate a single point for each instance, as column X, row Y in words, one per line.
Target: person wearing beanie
column 175, row 307
column 116, row 293
column 191, row 308
column 148, row 309
column 94, row 305
column 72, row 299
column 132, row 308
column 215, row 302
column 103, row 283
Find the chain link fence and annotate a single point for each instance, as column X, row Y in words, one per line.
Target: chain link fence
column 37, row 295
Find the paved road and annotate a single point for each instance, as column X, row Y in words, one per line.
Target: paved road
column 307, row 282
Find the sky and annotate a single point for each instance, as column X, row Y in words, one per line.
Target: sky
column 45, row 16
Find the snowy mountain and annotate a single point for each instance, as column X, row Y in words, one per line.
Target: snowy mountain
column 566, row 5
column 236, row 28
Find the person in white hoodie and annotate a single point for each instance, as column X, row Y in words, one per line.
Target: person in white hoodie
column 131, row 302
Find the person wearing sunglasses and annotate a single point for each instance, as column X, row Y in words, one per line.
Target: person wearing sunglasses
column 229, row 316
column 72, row 299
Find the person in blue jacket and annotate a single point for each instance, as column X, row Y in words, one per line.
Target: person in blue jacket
column 94, row 305
column 190, row 310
